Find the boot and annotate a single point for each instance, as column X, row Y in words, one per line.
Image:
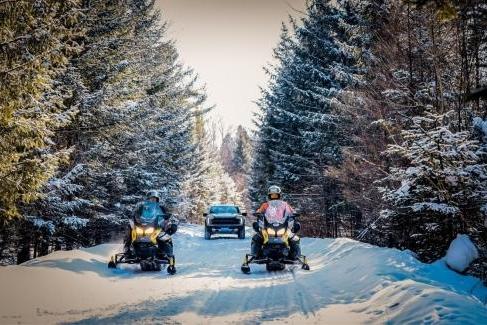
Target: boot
column 255, row 248
column 295, row 249
column 126, row 247
column 127, row 241
column 166, row 248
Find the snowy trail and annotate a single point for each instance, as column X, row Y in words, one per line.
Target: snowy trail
column 349, row 282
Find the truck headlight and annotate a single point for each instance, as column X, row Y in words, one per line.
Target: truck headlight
column 149, row 230
column 139, row 231
column 271, row 232
column 281, row 232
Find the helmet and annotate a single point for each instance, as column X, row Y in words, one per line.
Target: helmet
column 274, row 192
column 153, row 193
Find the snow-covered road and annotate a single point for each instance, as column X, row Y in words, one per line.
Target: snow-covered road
column 349, row 283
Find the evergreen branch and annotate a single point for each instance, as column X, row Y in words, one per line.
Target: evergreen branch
column 16, row 39
column 8, row 1
column 39, row 56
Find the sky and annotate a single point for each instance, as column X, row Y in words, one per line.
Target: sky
column 228, row 42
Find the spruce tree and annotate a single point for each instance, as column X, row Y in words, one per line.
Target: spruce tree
column 441, row 190
column 36, row 41
column 299, row 137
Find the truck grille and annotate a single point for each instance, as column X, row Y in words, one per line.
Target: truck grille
column 225, row 221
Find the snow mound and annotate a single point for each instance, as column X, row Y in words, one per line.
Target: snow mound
column 461, row 253
column 349, row 282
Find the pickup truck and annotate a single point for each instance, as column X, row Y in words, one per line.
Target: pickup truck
column 224, row 219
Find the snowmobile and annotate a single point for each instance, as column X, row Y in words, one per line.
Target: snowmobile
column 144, row 249
column 275, row 249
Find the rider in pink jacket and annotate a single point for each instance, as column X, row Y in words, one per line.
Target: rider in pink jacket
column 275, row 210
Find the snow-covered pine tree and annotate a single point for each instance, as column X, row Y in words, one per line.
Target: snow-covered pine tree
column 416, row 69
column 209, row 182
column 148, row 108
column 240, row 165
column 298, row 134
column 78, row 202
column 235, row 156
column 262, row 167
column 241, row 155
column 36, row 41
column 441, row 190
column 227, row 150
column 196, row 188
column 133, row 131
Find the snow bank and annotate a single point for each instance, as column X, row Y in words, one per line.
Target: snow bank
column 349, row 283
column 461, row 253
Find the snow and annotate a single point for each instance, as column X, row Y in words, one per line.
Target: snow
column 349, row 282
column 461, row 253
column 41, row 223
column 75, row 223
column 437, row 207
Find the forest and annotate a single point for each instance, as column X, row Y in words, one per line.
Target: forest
column 96, row 109
column 373, row 122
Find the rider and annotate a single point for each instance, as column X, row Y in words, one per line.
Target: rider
column 276, row 210
column 164, row 241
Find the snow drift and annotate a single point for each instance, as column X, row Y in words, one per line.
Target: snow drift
column 349, row 282
column 461, row 253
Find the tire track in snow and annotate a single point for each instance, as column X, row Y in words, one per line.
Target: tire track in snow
column 348, row 282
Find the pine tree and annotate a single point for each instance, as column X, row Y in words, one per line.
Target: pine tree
column 196, row 189
column 210, row 182
column 36, row 41
column 440, row 191
column 128, row 110
column 241, row 155
column 135, row 131
column 299, row 135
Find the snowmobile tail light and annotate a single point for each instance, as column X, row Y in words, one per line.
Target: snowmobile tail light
column 271, row 232
column 149, row 230
column 281, row 232
column 139, row 231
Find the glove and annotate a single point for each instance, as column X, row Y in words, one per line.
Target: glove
column 296, row 227
column 255, row 225
column 164, row 237
column 172, row 229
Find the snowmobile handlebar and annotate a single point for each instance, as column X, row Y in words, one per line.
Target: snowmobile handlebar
column 261, row 216
column 291, row 221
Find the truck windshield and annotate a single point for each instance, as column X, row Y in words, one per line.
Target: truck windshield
column 223, row 209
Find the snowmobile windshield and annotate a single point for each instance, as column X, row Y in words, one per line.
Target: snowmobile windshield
column 277, row 212
column 150, row 213
column 224, row 209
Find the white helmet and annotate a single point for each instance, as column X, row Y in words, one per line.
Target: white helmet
column 153, row 193
column 274, row 192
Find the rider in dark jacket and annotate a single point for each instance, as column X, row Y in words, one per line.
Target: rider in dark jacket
column 164, row 240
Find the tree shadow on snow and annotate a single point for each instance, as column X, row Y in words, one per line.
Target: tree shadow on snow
column 279, row 302
column 275, row 302
column 78, row 265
